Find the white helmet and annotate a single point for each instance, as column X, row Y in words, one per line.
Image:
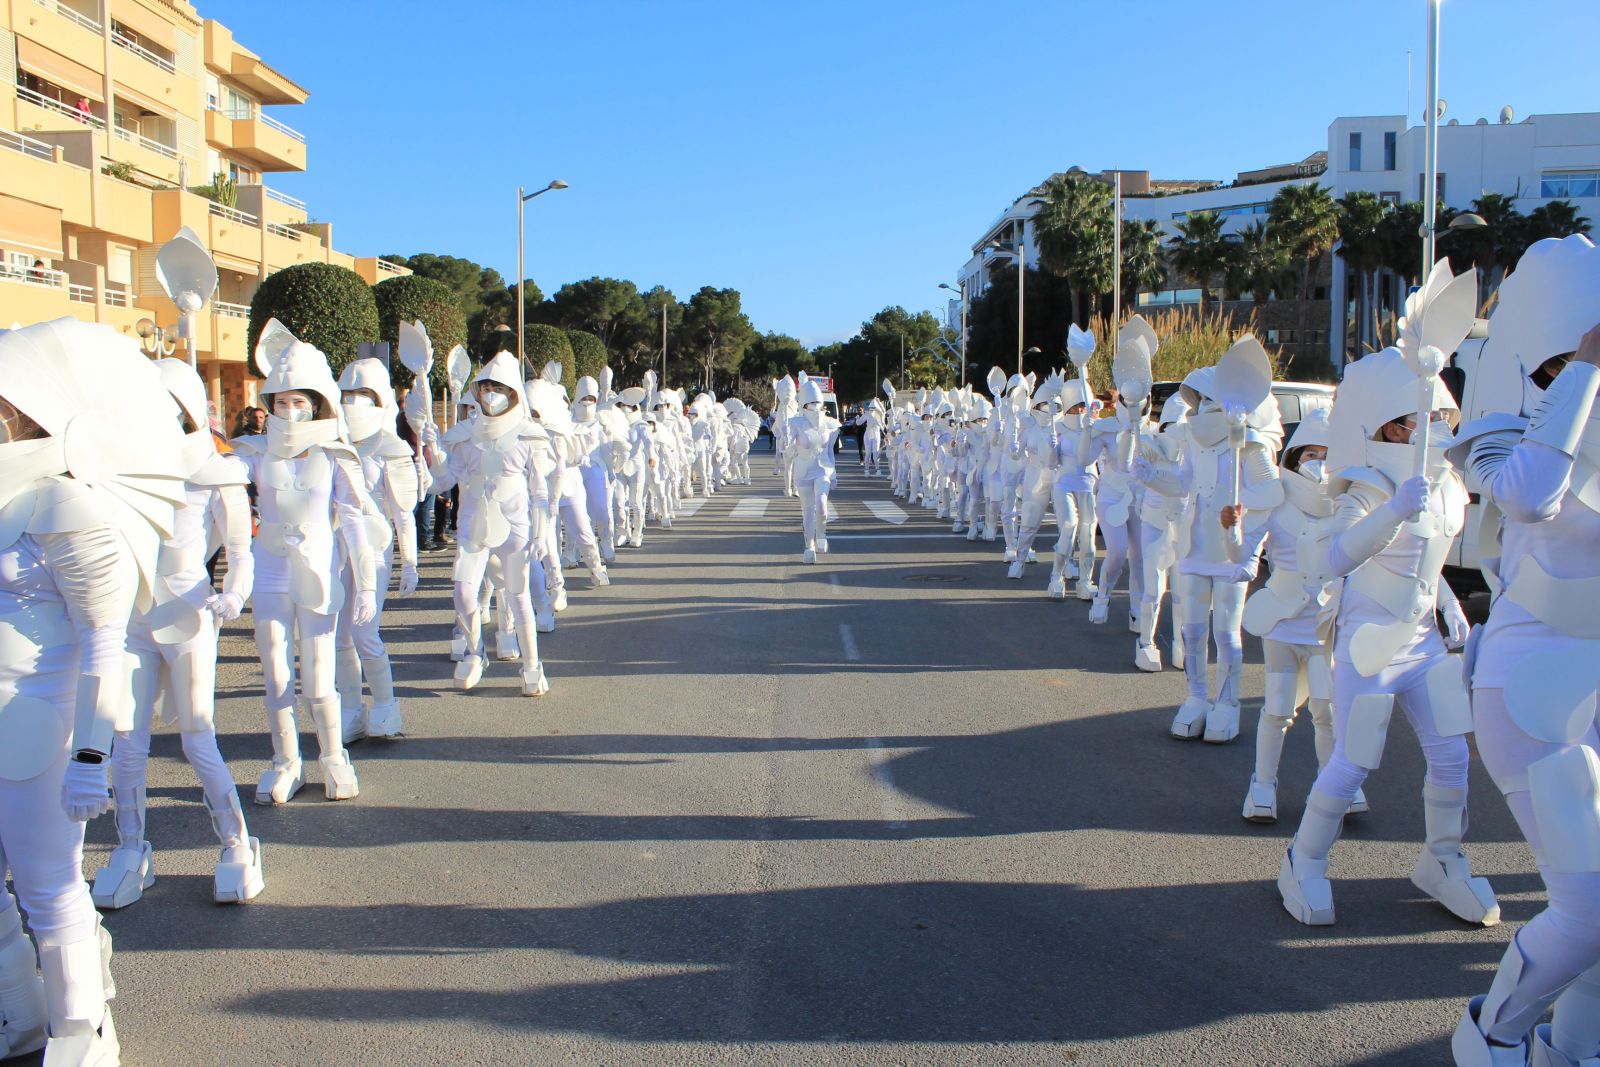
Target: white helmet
column 189, row 391
column 364, row 421
column 292, row 365
column 588, row 386
column 1545, row 307
column 1174, row 410
column 810, row 393
column 547, row 404
column 1377, row 389
column 502, row 370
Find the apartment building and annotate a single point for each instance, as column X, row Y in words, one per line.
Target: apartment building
column 112, row 114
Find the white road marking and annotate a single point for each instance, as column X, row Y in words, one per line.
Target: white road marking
column 833, row 515
column 847, row 638
column 892, row 535
column 751, row 507
column 887, row 511
column 894, row 812
column 688, row 507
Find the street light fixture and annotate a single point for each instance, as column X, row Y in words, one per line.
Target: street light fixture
column 963, row 292
column 523, row 198
column 1020, row 252
column 1430, row 149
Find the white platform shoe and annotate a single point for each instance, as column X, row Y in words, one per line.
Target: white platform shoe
column 1442, row 870
column 131, row 868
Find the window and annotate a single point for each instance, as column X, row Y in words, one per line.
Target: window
column 1353, row 160
column 213, row 92
column 1390, row 140
column 1562, row 184
column 1390, row 198
column 1259, row 208
column 1438, row 191
column 119, row 268
column 241, row 175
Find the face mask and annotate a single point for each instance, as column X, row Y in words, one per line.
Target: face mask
column 585, row 408
column 494, row 403
column 1315, row 469
column 1041, row 417
column 296, row 415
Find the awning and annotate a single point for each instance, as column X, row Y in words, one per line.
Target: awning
column 144, row 102
column 29, row 227
column 146, row 23
column 37, row 59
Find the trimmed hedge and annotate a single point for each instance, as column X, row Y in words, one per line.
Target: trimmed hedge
column 543, row 343
column 324, row 305
column 408, row 298
column 588, row 354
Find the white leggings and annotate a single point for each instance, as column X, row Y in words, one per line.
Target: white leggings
column 597, row 499
column 576, row 525
column 1124, row 549
column 1560, row 946
column 813, row 511
column 366, row 639
column 513, row 557
column 1222, row 601
column 278, row 620
column 1288, row 666
column 43, row 850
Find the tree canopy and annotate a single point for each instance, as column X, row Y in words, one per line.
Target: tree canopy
column 410, row 297
column 322, row 304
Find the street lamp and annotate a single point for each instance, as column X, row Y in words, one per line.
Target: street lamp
column 1021, row 254
column 963, row 292
column 523, row 198
column 1430, row 150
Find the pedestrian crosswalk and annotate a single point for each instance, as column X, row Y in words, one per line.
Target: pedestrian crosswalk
column 751, row 507
column 887, row 511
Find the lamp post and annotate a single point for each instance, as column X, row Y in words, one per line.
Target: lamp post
column 523, row 198
column 1021, row 254
column 663, row 344
column 963, row 292
column 1430, row 150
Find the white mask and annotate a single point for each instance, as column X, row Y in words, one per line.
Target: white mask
column 357, row 400
column 584, row 409
column 1041, row 416
column 297, row 415
column 494, row 403
column 1315, row 469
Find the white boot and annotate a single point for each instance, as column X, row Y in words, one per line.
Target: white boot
column 22, row 1005
column 238, row 876
column 1545, row 1054
column 1222, row 723
column 1057, row 589
column 809, row 556
column 469, row 671
column 347, row 680
column 1190, row 721
column 1359, row 805
column 1468, row 1045
column 383, row 718
column 534, row 683
column 1100, row 610
column 1442, row 870
column 76, row 988
column 505, row 647
column 130, row 870
column 597, row 569
column 1147, row 657
column 338, row 774
column 458, row 648
column 281, row 781
column 1261, row 801
column 1016, row 569
column 1303, row 877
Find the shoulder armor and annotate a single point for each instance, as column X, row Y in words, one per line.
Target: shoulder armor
column 461, row 431
column 386, row 444
column 249, row 445
column 1369, row 476
column 1498, row 422
column 220, row 470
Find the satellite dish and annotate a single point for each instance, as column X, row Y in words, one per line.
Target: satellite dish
column 1453, row 122
column 1506, row 115
column 1441, row 107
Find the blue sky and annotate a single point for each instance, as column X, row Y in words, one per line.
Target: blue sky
column 830, row 158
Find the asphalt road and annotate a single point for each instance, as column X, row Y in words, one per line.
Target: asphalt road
column 891, row 808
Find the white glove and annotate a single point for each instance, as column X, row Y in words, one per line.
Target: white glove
column 430, row 435
column 408, row 579
column 1411, row 498
column 1246, row 572
column 84, row 793
column 1456, row 626
column 1143, row 469
column 366, row 607
column 225, row 606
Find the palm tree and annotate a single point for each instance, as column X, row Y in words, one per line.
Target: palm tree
column 1305, row 220
column 1361, row 217
column 1259, row 265
column 1073, row 232
column 1555, row 218
column 1143, row 266
column 1200, row 251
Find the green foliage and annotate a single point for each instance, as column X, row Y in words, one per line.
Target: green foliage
column 486, row 300
column 588, row 354
column 119, row 169
column 601, row 306
column 324, row 305
column 221, row 190
column 1258, row 264
column 1144, row 266
column 542, row 343
column 772, row 356
column 1049, row 309
column 716, row 329
column 407, row 298
column 1199, row 253
column 1074, row 232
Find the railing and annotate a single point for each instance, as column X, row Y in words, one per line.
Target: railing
column 287, row 131
column 80, row 294
column 283, row 198
column 119, row 39
column 233, row 214
column 49, row 279
column 283, row 231
column 231, row 112
column 135, row 137
column 230, row 311
column 70, row 15
column 52, row 104
column 116, row 298
column 21, row 142
column 385, row 267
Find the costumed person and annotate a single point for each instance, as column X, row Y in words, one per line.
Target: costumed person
column 173, row 646
column 596, row 440
column 1398, row 504
column 312, row 498
column 547, row 406
column 1040, row 446
column 972, row 457
column 661, row 460
column 1293, row 615
column 1535, row 458
column 1160, row 515
column 389, row 474
column 703, row 441
column 503, row 462
column 1013, row 463
column 811, row 437
column 871, row 421
column 1228, row 459
column 632, row 462
column 1074, row 492
column 82, row 518
column 744, row 425
column 784, row 410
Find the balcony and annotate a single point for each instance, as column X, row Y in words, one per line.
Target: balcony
column 35, row 295
column 42, row 111
column 155, row 158
column 63, row 30
column 374, row 270
column 269, row 144
column 149, row 72
column 130, row 42
column 231, row 60
column 235, row 233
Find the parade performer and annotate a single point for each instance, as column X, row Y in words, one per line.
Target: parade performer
column 1160, row 516
column 1040, row 445
column 811, row 437
column 1012, row 462
column 743, row 427
column 784, row 410
column 1534, row 679
column 1076, row 516
column 503, row 462
column 1398, row 504
column 871, row 421
column 547, row 406
column 173, row 645
column 312, row 499
column 703, row 441
column 82, row 518
column 1293, row 615
column 972, row 448
column 389, row 474
column 597, row 442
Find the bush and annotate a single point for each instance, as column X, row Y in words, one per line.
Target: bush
column 1189, row 341
column 408, row 298
column 324, row 305
column 541, row 344
column 589, row 356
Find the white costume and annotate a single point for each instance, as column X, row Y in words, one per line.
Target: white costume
column 743, row 427
column 1074, row 494
column 811, row 437
column 632, row 456
column 313, row 504
column 1535, row 677
column 503, row 461
column 1293, row 615
column 1160, row 517
column 547, row 405
column 1390, row 533
column 597, row 444
column 1040, row 443
column 91, row 471
column 173, row 645
column 389, row 475
column 871, row 420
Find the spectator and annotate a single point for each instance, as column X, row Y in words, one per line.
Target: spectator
column 252, row 423
column 84, row 111
column 39, row 271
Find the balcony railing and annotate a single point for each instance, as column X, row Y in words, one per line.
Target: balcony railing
column 52, row 104
column 284, row 198
column 70, row 15
column 287, row 131
column 40, row 276
column 135, row 137
column 233, row 214
column 230, row 311
column 80, row 294
column 21, row 142
column 283, row 231
column 385, row 267
column 123, row 41
column 116, row 298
